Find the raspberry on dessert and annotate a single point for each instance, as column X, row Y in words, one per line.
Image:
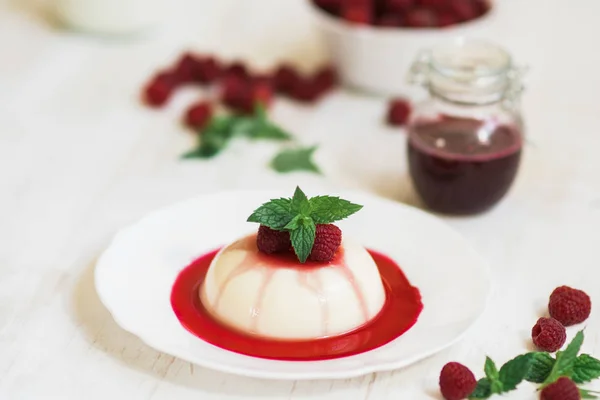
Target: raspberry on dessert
column 198, row 115
column 563, row 389
column 421, row 18
column 270, row 241
column 286, row 77
column 457, row 382
column 398, row 112
column 159, row 90
column 569, row 306
column 328, row 239
column 548, row 335
column 237, row 94
column 207, row 70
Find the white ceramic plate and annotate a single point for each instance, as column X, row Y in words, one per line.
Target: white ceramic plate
column 454, row 281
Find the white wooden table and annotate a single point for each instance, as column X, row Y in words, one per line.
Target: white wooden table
column 79, row 158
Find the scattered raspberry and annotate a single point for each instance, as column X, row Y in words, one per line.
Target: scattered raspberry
column 569, row 306
column 160, row 89
column 398, row 112
column 326, row 79
column 262, row 91
column 286, row 77
column 305, row 90
column 237, row 94
column 457, row 382
column 270, row 241
column 237, row 69
column 186, row 67
column 562, row 389
column 327, row 241
column 421, row 18
column 198, row 115
column 548, row 335
column 207, row 70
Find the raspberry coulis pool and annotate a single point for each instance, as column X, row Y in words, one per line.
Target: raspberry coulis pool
column 400, row 312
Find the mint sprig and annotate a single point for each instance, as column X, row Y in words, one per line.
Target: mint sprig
column 565, row 360
column 295, row 159
column 510, row 375
column 220, row 130
column 300, row 215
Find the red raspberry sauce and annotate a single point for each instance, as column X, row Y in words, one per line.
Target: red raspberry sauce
column 400, row 312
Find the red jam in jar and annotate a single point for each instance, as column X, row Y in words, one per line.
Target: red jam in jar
column 465, row 141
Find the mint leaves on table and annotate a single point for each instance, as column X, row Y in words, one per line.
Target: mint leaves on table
column 222, row 129
column 541, row 368
column 299, row 216
column 297, row 159
column 505, row 380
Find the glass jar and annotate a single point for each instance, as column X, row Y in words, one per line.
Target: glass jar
column 465, row 140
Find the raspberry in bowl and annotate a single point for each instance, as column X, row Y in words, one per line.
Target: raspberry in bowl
column 372, row 43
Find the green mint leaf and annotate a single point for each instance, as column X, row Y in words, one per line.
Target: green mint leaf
column 300, row 203
column 328, row 209
column 585, row 369
column 243, row 126
column 565, row 360
column 483, row 390
column 514, row 371
column 491, row 372
column 213, row 138
column 260, row 111
column 299, row 159
column 294, row 223
column 303, row 239
column 541, row 366
column 588, row 394
column 268, row 131
column 275, row 214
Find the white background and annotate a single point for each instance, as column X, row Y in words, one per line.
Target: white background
column 79, row 158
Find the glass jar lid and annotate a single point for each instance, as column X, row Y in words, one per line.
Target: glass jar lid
column 468, row 71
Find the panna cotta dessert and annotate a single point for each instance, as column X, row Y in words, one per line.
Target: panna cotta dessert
column 296, row 278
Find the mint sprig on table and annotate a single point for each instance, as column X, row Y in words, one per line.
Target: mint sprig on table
column 219, row 132
column 541, row 368
column 300, row 215
column 295, row 159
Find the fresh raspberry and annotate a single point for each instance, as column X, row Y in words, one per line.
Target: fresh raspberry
column 328, row 239
column 186, row 67
column 330, row 6
column 548, row 335
column 237, row 94
column 158, row 91
column 421, row 18
column 286, row 77
column 457, row 382
column 198, row 115
column 262, row 91
column 357, row 14
column 396, row 6
column 464, row 10
column 398, row 112
column 237, row 69
column 569, row 306
column 305, row 90
column 326, row 79
column 208, row 70
column 390, row 20
column 270, row 241
column 437, row 5
column 447, row 19
column 562, row 389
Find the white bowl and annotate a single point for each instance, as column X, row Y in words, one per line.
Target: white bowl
column 377, row 59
